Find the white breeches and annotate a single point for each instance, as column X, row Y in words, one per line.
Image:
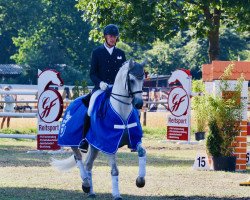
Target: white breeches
column 92, row 100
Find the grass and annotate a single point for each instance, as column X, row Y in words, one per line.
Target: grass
column 25, row 176
column 169, row 175
column 19, row 131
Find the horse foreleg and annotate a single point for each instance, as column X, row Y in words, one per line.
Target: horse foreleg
column 115, row 177
column 89, row 162
column 140, row 181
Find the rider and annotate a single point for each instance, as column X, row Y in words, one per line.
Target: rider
column 105, row 63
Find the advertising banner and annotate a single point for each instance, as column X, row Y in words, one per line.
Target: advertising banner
column 50, row 108
column 178, row 122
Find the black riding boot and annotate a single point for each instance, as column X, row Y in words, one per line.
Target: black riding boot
column 83, row 146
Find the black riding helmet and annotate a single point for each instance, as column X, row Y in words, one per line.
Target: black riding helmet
column 111, row 29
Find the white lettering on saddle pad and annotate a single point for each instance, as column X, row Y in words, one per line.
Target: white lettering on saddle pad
column 124, row 126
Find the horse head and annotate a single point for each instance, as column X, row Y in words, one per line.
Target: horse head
column 134, row 80
column 127, row 88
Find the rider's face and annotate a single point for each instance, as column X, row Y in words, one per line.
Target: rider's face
column 111, row 40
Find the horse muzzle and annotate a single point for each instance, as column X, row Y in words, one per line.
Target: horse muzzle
column 137, row 103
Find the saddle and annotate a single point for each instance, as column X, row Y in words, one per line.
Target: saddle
column 71, row 129
column 110, row 131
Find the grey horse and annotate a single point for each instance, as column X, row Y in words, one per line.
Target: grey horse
column 125, row 98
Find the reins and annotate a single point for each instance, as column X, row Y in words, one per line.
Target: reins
column 119, row 99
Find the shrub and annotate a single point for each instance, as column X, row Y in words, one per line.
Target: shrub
column 199, row 106
column 225, row 115
column 214, row 139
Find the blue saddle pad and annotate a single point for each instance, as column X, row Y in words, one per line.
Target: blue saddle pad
column 107, row 127
column 71, row 129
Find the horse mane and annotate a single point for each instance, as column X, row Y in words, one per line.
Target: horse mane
column 136, row 70
column 101, row 111
column 125, row 66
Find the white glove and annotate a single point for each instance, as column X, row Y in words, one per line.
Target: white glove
column 103, row 85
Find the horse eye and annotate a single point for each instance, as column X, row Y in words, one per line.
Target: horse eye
column 132, row 81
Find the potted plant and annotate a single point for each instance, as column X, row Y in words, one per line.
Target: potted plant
column 224, row 116
column 199, row 109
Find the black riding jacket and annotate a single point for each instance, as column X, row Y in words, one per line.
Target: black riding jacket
column 104, row 66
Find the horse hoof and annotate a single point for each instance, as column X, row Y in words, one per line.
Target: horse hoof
column 140, row 182
column 118, row 198
column 85, row 189
column 91, row 196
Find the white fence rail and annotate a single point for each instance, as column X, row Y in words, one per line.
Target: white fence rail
column 32, row 112
column 25, row 108
column 18, row 115
column 16, row 92
column 18, row 136
column 20, row 101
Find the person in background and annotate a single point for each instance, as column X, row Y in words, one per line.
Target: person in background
column 105, row 63
column 66, row 97
column 8, row 105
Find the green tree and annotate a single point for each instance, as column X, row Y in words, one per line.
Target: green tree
column 185, row 51
column 7, row 48
column 166, row 57
column 145, row 21
column 48, row 34
column 15, row 16
column 80, row 89
column 182, row 51
column 234, row 45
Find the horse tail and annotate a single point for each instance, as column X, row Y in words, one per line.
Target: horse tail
column 64, row 165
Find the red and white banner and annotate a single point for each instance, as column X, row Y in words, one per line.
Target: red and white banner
column 178, row 122
column 50, row 108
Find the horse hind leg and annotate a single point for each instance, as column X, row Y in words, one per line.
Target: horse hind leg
column 84, row 175
column 140, row 181
column 115, row 177
column 89, row 162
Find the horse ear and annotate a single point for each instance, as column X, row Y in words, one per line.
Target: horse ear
column 131, row 64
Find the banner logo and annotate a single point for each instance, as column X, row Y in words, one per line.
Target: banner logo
column 178, row 101
column 50, row 106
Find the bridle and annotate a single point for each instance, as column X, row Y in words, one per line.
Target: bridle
column 130, row 92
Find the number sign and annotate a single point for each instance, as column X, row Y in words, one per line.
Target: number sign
column 201, row 163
